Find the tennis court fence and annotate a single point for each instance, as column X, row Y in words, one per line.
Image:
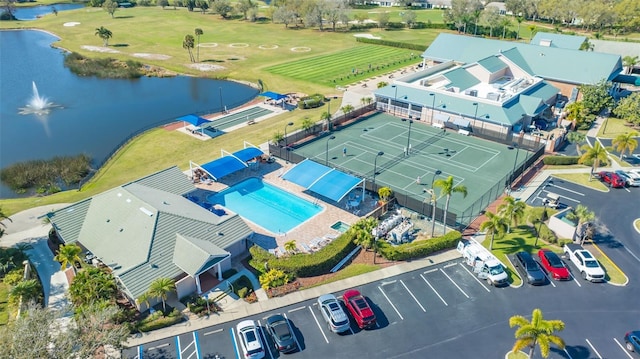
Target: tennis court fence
column 455, row 218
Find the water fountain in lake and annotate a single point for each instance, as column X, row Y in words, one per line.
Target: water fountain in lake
column 38, row 105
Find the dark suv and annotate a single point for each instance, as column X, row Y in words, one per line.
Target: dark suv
column 530, row 267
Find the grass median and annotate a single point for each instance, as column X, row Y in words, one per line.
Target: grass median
column 582, row 179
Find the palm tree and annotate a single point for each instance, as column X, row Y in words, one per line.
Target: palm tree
column 494, row 225
column 347, row 109
column 626, row 141
column 291, row 246
column 597, row 153
column 307, row 124
column 629, row 62
column 576, row 138
column 27, row 289
column 576, row 113
column 160, row 288
column 326, row 116
column 105, row 34
column 584, row 216
column 188, row 44
column 447, row 188
column 512, row 210
column 68, row 254
column 4, row 216
column 145, row 298
column 537, row 331
column 361, row 232
column 198, row 32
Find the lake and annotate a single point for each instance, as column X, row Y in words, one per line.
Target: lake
column 96, row 115
column 34, row 12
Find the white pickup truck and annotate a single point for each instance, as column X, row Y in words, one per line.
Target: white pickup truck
column 587, row 264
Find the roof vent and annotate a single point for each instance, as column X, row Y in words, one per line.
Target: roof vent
column 146, row 211
column 220, row 234
column 108, row 220
column 121, row 230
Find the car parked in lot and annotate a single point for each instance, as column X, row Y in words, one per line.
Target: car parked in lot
column 359, row 308
column 553, row 265
column 250, row 340
column 632, row 177
column 632, row 341
column 280, row 331
column 531, row 269
column 333, row 314
column 612, row 179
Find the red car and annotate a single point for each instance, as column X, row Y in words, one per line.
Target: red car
column 359, row 308
column 612, row 179
column 553, row 265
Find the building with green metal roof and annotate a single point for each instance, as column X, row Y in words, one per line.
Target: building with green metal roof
column 150, row 229
column 564, row 41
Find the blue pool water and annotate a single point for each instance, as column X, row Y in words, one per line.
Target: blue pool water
column 265, row 205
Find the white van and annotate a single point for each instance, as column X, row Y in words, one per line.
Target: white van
column 553, row 200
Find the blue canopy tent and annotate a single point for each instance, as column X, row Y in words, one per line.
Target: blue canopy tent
column 197, row 121
column 325, row 181
column 230, row 162
column 275, row 96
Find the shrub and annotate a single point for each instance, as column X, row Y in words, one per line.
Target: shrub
column 274, row 278
column 303, row 264
column 417, row 249
column 242, row 292
column 240, row 283
column 14, row 277
column 561, row 160
column 400, row 45
column 312, row 101
column 157, row 321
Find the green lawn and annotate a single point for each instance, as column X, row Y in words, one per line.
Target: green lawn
column 518, row 355
column 613, row 127
column 583, row 180
column 350, row 271
column 4, row 305
column 614, row 273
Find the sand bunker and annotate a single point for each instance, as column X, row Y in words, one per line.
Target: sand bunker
column 206, row 67
column 368, row 36
column 71, row 24
column 151, row 56
column 301, row 49
column 100, row 49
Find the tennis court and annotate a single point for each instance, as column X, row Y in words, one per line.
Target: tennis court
column 241, row 117
column 482, row 166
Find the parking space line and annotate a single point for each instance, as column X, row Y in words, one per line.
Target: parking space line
column 389, row 300
column 213, row 331
column 549, row 279
column 318, row 323
column 235, row 342
column 449, row 265
column 263, row 337
column 454, row 283
column 474, row 277
column 182, row 351
column 196, row 345
column 626, row 189
column 430, row 286
column 295, row 338
column 573, row 278
column 431, row 270
column 592, row 348
column 158, row 347
column 179, row 352
column 296, row 309
column 622, row 347
column 567, row 189
column 412, row 296
column 569, row 355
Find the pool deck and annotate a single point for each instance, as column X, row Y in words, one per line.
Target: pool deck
column 309, row 233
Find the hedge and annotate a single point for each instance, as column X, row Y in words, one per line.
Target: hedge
column 312, row 101
column 418, row 249
column 561, row 160
column 400, row 45
column 157, row 321
column 303, row 264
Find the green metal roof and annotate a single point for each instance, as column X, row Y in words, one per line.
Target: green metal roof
column 461, row 79
column 492, row 63
column 193, row 255
column 558, row 40
column 134, row 230
column 553, row 63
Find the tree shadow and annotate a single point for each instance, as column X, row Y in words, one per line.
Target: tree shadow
column 123, row 17
column 120, row 45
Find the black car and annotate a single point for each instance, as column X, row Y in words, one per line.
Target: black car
column 280, row 332
column 632, row 341
column 530, row 267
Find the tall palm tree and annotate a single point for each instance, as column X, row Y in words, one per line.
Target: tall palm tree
column 361, row 232
column 68, row 254
column 188, row 44
column 626, row 141
column 290, row 246
column 145, row 298
column 629, row 62
column 347, row 109
column 105, row 34
column 198, row 33
column 584, row 216
column 160, row 288
column 511, row 210
column 326, row 116
column 494, row 225
column 597, row 154
column 537, row 331
column 576, row 138
column 447, row 188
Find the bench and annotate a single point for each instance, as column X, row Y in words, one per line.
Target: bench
column 463, row 132
column 438, row 125
column 346, row 259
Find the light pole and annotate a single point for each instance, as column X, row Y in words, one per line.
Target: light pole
column 329, row 116
column 513, row 174
column 433, row 105
column 286, row 151
column 544, row 212
column 433, row 210
column 437, row 173
column 408, row 135
column 375, row 165
column 326, row 153
column 395, row 98
column 475, row 115
column 221, row 104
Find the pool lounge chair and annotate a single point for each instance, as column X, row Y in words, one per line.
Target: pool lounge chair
column 306, row 248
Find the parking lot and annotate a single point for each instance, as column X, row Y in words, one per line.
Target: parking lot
column 436, row 312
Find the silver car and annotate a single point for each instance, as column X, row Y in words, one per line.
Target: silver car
column 333, row 313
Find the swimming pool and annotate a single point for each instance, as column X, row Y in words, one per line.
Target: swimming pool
column 268, row 206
